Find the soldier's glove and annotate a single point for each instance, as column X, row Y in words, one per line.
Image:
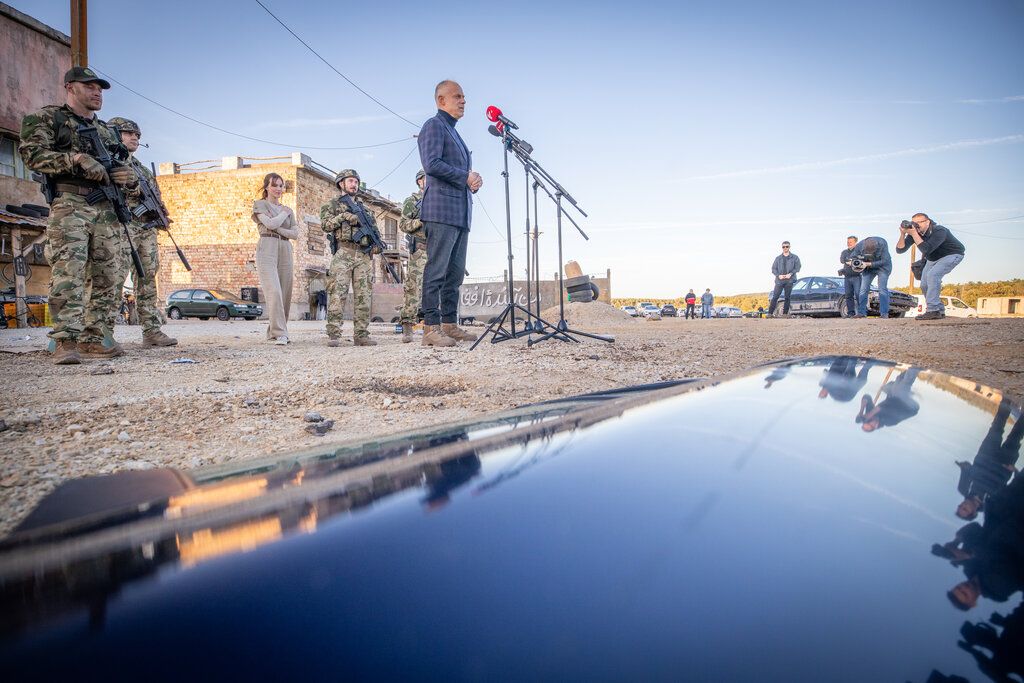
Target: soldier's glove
column 92, row 169
column 124, row 176
column 375, row 250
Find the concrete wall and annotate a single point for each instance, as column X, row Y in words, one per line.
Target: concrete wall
column 487, row 299
column 33, row 59
column 1000, row 306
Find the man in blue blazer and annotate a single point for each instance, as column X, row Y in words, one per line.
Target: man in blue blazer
column 446, row 212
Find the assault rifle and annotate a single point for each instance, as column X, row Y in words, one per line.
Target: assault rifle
column 367, row 232
column 151, row 204
column 111, row 191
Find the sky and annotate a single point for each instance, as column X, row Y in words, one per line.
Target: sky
column 696, row 136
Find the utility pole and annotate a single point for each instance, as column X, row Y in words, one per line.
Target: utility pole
column 79, row 33
column 913, row 257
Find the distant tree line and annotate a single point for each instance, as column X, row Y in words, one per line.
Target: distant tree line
column 969, row 292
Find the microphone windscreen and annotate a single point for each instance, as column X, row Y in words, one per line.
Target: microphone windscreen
column 500, row 126
column 493, row 130
column 493, row 113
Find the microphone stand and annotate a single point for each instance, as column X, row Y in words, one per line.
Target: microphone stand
column 497, row 329
column 561, row 330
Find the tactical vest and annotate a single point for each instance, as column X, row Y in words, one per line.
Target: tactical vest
column 65, row 138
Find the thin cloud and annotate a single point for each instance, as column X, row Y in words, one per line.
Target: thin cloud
column 816, row 165
column 846, row 219
column 998, row 100
column 332, row 121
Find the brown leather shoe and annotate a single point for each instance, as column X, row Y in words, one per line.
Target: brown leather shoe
column 455, row 332
column 98, row 350
column 406, row 333
column 364, row 341
column 433, row 336
column 66, row 353
column 158, row 338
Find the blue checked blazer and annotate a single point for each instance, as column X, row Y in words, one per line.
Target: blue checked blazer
column 446, row 197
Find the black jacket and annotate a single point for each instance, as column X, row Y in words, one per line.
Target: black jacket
column 938, row 242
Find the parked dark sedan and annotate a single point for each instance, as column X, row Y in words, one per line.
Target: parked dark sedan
column 668, row 311
column 826, row 296
column 794, row 522
column 207, row 303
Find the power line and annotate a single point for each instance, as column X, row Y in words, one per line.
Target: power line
column 331, row 66
column 404, row 159
column 239, row 135
column 979, row 234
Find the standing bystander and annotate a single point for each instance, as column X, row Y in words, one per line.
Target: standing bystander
column 276, row 225
column 784, row 268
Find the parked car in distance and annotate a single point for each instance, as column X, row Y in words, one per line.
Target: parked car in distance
column 208, row 303
column 826, row 296
column 955, row 308
column 650, row 311
column 669, row 311
column 631, row 310
column 726, row 312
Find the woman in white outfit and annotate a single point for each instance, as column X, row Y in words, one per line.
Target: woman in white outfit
column 276, row 225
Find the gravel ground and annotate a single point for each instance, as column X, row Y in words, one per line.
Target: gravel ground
column 244, row 398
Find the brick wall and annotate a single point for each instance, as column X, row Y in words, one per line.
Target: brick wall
column 212, row 223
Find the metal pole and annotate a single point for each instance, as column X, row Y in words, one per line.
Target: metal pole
column 79, row 33
column 20, row 308
column 913, row 257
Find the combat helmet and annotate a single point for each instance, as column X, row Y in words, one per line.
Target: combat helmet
column 346, row 173
column 125, row 125
column 420, row 174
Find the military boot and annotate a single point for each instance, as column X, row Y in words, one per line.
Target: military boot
column 433, row 336
column 333, row 342
column 455, row 332
column 158, row 338
column 66, row 353
column 98, row 350
column 406, row 333
column 364, row 341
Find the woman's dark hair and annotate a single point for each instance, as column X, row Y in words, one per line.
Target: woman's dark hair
column 267, row 181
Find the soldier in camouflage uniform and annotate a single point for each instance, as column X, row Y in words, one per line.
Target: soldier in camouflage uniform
column 147, row 303
column 413, row 227
column 84, row 241
column 349, row 265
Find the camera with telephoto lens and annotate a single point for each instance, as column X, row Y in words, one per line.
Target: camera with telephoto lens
column 906, row 225
column 858, row 265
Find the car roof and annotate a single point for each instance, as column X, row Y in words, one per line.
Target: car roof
column 632, row 538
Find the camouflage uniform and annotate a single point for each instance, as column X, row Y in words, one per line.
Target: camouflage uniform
column 147, row 302
column 84, row 242
column 413, row 226
column 349, row 265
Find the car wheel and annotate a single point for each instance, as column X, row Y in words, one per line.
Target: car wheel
column 594, row 288
column 223, row 314
column 174, row 314
column 376, row 319
column 843, row 312
column 396, row 320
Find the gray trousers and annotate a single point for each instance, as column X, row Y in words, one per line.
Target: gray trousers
column 446, row 268
column 274, row 268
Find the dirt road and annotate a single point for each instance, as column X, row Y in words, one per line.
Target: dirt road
column 243, row 398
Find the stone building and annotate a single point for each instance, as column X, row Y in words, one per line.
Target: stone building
column 210, row 203
column 33, row 59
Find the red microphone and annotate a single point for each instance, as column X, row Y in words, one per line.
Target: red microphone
column 494, row 114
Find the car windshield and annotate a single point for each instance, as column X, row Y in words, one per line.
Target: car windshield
column 221, row 294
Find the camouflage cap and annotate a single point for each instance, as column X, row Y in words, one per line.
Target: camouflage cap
column 83, row 74
column 346, row 173
column 420, row 174
column 125, row 125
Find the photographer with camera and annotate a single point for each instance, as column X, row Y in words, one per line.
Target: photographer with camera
column 942, row 253
column 871, row 259
column 851, row 278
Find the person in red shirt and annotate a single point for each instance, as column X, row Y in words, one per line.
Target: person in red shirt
column 691, row 301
